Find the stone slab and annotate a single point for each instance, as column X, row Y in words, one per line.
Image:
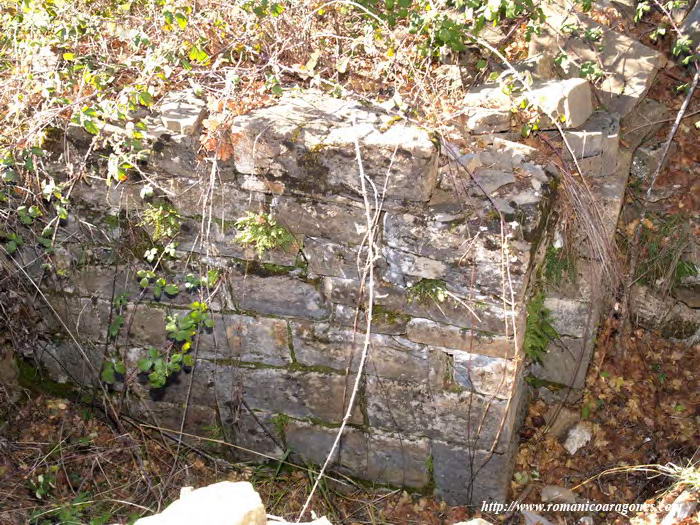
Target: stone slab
column 308, row 140
column 247, row 338
column 278, row 295
column 300, row 394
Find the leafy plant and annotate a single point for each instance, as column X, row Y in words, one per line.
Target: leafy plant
column 263, row 232
column 160, row 366
column 427, row 290
column 538, row 329
column 42, row 486
column 163, row 219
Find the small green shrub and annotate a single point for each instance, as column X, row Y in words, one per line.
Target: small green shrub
column 538, row 329
column 163, row 220
column 263, row 232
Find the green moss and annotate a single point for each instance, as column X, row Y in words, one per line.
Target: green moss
column 298, row 367
column 280, row 422
column 380, row 314
column 112, row 221
column 558, row 265
column 246, row 364
column 536, row 382
column 35, row 379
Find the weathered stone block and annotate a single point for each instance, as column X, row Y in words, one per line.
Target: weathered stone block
column 65, row 363
column 319, row 344
column 485, row 120
column 309, row 140
column 340, row 224
column 87, row 319
column 329, row 259
column 175, row 156
column 461, row 254
column 225, row 201
column 398, row 462
column 249, row 339
column 283, row 296
column 568, row 101
column 490, row 376
column 200, row 420
column 483, row 476
column 565, row 362
column 312, row 443
column 103, row 282
column 429, row 332
column 182, row 112
column 114, row 198
column 414, row 410
column 257, row 433
column 301, row 394
column 383, row 458
column 219, row 240
column 144, row 324
column 599, row 136
column 492, row 317
column 196, row 384
column 569, row 317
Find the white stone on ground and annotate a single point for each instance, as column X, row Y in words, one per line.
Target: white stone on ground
column 224, row 503
column 578, row 437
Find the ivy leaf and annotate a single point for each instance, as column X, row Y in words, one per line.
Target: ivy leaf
column 181, row 20
column 145, row 364
column 198, row 54
column 145, row 98
column 172, row 289
column 107, row 374
column 120, row 367
column 116, row 326
column 91, row 127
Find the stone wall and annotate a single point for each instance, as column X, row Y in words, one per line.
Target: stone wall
column 443, row 393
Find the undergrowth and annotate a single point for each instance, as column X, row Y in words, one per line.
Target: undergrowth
column 663, row 242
